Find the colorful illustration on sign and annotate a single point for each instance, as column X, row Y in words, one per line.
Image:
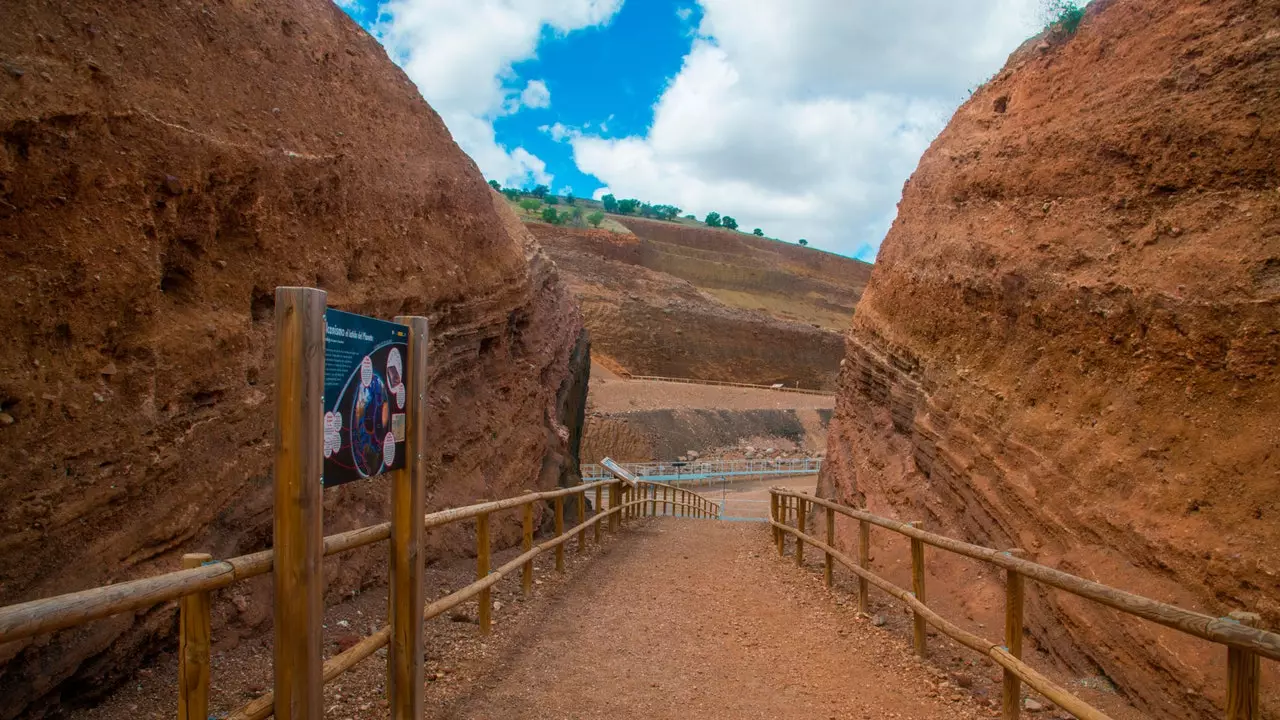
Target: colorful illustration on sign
column 364, row 397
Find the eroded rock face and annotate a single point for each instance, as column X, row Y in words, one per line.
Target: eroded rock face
column 165, row 166
column 1070, row 338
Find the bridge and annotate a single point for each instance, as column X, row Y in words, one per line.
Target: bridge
column 709, row 472
column 648, row 606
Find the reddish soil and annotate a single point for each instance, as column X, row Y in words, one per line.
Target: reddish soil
column 649, row 319
column 164, row 167
column 1069, row 342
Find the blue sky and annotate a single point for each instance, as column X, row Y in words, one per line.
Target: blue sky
column 802, row 117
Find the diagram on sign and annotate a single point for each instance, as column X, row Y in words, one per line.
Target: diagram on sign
column 365, row 397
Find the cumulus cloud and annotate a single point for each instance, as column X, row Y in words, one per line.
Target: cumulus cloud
column 805, row 117
column 460, row 54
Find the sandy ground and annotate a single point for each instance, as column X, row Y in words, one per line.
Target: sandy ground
column 612, row 394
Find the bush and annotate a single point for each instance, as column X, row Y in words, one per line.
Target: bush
column 530, row 204
column 758, row 232
column 511, row 193
column 729, row 222
column 802, row 241
column 1064, row 14
column 495, row 185
column 552, row 200
column 550, row 215
column 713, row 219
column 595, row 218
column 569, row 199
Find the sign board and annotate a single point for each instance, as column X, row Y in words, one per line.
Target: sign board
column 364, row 396
column 619, row 472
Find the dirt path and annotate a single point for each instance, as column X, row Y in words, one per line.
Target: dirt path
column 613, row 394
column 701, row 619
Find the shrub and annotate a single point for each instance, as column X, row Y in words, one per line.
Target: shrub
column 758, row 232
column 802, row 241
column 569, row 199
column 550, row 215
column 552, row 200
column 530, row 204
column 595, row 218
column 1064, row 14
column 495, row 185
column 511, row 193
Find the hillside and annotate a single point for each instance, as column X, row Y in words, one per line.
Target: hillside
column 150, row 201
column 1070, row 339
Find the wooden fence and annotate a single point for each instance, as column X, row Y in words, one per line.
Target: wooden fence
column 201, row 574
column 1246, row 644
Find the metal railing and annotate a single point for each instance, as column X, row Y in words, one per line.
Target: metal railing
column 705, row 472
column 1245, row 643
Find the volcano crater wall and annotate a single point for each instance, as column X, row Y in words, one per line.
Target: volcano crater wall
column 164, row 167
column 1070, row 338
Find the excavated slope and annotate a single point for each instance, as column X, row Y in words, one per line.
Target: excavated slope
column 1069, row 341
column 165, row 166
column 653, row 322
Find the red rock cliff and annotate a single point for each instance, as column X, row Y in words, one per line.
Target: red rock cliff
column 1070, row 337
column 165, row 166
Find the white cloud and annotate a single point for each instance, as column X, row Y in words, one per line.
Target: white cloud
column 805, row 117
column 536, row 95
column 460, row 53
column 558, row 131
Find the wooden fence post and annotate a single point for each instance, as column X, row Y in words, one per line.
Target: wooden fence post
column 482, row 571
column 1243, row 676
column 559, row 532
column 526, row 573
column 864, row 562
column 405, row 666
column 194, row 629
column 666, row 501
column 800, row 510
column 599, row 495
column 582, row 517
column 775, row 513
column 1011, row 695
column 917, row 589
column 298, row 532
column 653, row 500
column 831, row 541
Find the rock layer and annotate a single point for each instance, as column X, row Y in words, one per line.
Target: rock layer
column 1069, row 341
column 165, row 166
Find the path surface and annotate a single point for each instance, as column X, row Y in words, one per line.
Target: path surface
column 613, row 394
column 698, row 619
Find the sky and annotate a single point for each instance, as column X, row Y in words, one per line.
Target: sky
column 800, row 117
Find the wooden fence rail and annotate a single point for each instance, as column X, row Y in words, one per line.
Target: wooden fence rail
column 202, row 575
column 1245, row 643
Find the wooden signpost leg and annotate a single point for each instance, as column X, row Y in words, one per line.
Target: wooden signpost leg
column 559, row 532
column 298, row 532
column 526, row 574
column 613, row 505
column 1011, row 695
column 408, row 505
column 917, row 588
column 864, row 562
column 485, row 614
column 194, row 629
column 599, row 493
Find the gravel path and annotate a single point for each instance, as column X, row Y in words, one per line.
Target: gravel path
column 701, row 619
column 611, row 394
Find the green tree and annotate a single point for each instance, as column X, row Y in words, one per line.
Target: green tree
column 511, row 193
column 713, row 219
column 550, row 215
column 552, row 200
column 626, row 207
column 540, row 191
column 530, row 204
column 576, row 215
column 610, row 203
column 729, row 222
column 690, row 217
column 802, row 241
column 758, row 232
column 569, row 199
column 495, row 185
column 595, row 218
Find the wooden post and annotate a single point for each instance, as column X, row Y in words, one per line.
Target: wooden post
column 831, row 541
column 1011, row 695
column 613, row 504
column 405, row 666
column 526, row 573
column 917, row 589
column 1243, row 676
column 773, row 515
column 782, row 518
column 800, row 525
column 653, row 500
column 599, row 494
column 298, row 532
column 864, row 562
column 582, row 517
column 559, row 532
column 194, row 629
column 482, row 571
column 666, row 502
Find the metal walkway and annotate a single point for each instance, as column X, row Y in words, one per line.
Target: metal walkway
column 699, row 472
